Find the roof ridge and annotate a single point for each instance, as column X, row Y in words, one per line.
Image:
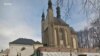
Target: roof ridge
column 24, row 41
column 59, row 21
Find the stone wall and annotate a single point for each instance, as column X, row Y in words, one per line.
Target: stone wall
column 51, row 51
column 67, row 54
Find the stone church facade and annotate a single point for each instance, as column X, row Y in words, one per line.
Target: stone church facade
column 58, row 38
column 56, row 32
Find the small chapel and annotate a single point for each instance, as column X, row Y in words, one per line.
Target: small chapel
column 55, row 31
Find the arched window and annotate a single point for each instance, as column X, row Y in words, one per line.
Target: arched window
column 23, row 48
column 61, row 37
column 74, row 43
column 55, row 35
column 61, row 33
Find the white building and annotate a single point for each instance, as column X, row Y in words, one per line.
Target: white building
column 23, row 47
column 4, row 53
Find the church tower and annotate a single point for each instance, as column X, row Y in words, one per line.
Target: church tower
column 55, row 32
column 47, row 29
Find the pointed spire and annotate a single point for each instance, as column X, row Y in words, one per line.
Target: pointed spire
column 58, row 10
column 50, row 10
column 49, row 4
column 43, row 16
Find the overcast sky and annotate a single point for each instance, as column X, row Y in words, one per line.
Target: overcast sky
column 22, row 19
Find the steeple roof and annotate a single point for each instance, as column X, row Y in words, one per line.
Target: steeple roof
column 56, row 20
column 43, row 16
column 49, row 4
column 58, row 10
column 59, row 22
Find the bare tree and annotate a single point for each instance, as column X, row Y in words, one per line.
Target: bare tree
column 91, row 6
column 88, row 7
column 66, row 6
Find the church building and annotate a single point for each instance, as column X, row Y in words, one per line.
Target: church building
column 58, row 38
column 55, row 31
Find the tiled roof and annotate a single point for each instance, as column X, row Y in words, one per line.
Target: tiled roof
column 72, row 31
column 24, row 41
column 59, row 21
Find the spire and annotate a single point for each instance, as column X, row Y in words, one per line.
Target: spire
column 50, row 10
column 49, row 4
column 58, row 10
column 43, row 16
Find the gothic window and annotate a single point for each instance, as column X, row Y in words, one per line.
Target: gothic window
column 45, row 39
column 55, row 36
column 67, row 39
column 74, row 43
column 46, row 32
column 61, row 34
